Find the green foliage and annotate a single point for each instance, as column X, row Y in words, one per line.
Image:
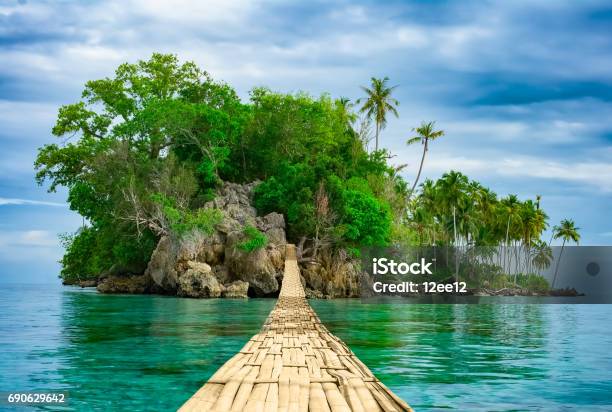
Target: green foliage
column 155, row 126
column 206, row 171
column 93, row 250
column 454, row 209
column 365, row 220
column 204, row 220
column 165, row 127
column 533, row 282
column 254, row 239
column 182, row 221
column 378, row 102
column 300, row 144
column 567, row 231
column 270, row 196
column 78, row 260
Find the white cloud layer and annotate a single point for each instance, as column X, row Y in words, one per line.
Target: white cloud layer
column 27, row 202
column 596, row 175
column 29, row 245
column 523, row 90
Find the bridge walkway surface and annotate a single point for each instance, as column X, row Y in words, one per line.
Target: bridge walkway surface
column 294, row 364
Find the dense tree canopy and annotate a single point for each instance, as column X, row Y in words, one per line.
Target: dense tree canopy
column 142, row 151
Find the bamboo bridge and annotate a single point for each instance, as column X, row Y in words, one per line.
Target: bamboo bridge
column 294, row 364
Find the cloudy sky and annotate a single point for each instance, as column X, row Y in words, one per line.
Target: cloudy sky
column 522, row 89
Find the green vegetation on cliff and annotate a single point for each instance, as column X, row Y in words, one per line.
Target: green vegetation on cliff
column 143, row 150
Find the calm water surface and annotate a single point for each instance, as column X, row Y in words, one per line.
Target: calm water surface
column 151, row 353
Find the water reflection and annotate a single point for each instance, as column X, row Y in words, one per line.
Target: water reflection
column 479, row 357
column 129, row 346
column 152, row 353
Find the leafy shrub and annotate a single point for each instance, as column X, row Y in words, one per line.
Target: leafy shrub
column 204, row 220
column 497, row 280
column 77, row 260
column 181, row 221
column 365, row 219
column 254, row 240
column 269, row 196
column 92, row 250
column 533, row 282
column 168, row 127
column 206, row 171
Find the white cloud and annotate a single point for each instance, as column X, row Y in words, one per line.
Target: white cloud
column 353, row 14
column 595, row 174
column 220, row 13
column 29, row 238
column 4, row 201
column 554, row 131
column 37, row 238
column 442, row 64
column 29, row 245
column 26, row 120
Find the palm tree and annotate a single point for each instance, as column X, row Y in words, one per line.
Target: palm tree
column 541, row 255
column 346, row 106
column 567, row 231
column 555, row 228
column 487, row 205
column 378, row 102
column 344, row 101
column 421, row 220
column 533, row 222
column 425, row 133
column 509, row 212
column 512, row 206
column 453, row 197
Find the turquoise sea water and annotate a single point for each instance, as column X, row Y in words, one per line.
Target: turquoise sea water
column 151, row 352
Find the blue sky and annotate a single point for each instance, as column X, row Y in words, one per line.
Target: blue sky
column 522, row 89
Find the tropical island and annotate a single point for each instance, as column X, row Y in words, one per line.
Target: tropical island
column 187, row 190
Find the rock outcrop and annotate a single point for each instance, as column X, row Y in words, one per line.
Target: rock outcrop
column 161, row 268
column 87, row 283
column 337, row 277
column 202, row 265
column 199, row 282
column 237, row 289
column 273, row 225
column 177, row 265
column 125, row 284
column 257, row 267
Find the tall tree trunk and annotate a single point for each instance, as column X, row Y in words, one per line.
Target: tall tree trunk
column 377, row 132
column 557, row 266
column 454, row 227
column 506, row 260
column 420, row 169
column 456, row 247
column 435, row 259
column 243, row 157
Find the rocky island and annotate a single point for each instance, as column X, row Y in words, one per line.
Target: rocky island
column 199, row 265
column 187, row 190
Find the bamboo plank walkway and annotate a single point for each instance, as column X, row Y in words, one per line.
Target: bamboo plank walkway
column 294, row 364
